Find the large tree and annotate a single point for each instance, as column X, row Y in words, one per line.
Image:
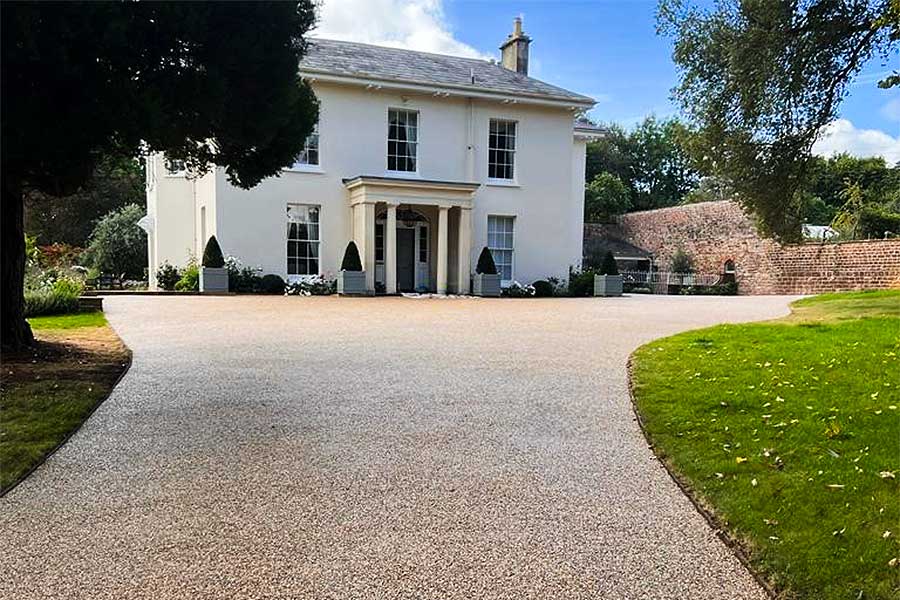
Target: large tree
column 761, row 78
column 210, row 83
column 116, row 182
column 652, row 161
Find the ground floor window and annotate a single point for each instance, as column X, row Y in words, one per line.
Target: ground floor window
column 303, row 239
column 500, row 242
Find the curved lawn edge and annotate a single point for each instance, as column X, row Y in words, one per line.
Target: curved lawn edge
column 707, row 512
column 126, row 366
column 816, row 459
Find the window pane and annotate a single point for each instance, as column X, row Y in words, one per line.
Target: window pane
column 501, row 149
column 402, row 136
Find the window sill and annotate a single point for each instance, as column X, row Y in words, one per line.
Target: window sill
column 305, row 169
column 502, row 183
column 403, row 174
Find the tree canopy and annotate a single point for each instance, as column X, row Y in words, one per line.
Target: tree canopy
column 116, row 181
column 760, row 79
column 652, row 162
column 210, row 83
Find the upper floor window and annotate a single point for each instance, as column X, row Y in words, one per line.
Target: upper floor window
column 175, row 167
column 502, row 150
column 309, row 156
column 403, row 140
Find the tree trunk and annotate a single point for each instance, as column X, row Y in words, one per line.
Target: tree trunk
column 15, row 333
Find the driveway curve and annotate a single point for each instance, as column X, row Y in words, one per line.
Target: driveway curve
column 284, row 447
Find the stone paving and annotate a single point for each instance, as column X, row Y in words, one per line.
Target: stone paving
column 287, row 447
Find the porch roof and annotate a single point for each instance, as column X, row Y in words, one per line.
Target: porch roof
column 397, row 190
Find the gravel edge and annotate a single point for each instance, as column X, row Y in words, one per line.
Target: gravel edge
column 706, row 511
column 78, row 427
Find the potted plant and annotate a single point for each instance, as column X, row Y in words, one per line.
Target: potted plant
column 213, row 274
column 608, row 282
column 352, row 279
column 486, row 282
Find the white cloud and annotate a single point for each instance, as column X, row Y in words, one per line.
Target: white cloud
column 412, row 24
column 841, row 136
column 891, row 110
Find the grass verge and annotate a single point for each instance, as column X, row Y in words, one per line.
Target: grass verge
column 48, row 391
column 788, row 434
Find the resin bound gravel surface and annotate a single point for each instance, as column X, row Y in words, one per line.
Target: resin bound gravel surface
column 287, row 447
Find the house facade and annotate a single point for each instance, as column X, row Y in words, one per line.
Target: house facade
column 421, row 159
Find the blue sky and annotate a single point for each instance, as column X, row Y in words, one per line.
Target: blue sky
column 607, row 49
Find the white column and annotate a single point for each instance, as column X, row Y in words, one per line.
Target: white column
column 464, row 250
column 390, row 250
column 442, row 251
column 364, row 236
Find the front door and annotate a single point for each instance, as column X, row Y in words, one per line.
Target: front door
column 406, row 256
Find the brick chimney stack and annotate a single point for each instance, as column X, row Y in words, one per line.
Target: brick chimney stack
column 514, row 51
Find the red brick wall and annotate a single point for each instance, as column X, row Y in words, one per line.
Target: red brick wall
column 714, row 232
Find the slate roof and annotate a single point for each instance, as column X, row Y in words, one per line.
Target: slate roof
column 351, row 59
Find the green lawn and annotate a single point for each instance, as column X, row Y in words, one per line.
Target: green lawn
column 48, row 393
column 789, row 432
column 73, row 321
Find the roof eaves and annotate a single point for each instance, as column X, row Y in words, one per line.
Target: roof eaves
column 575, row 101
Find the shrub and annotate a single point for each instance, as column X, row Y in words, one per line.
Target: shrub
column 212, row 254
column 58, row 298
column 59, row 255
column 351, row 260
column 682, row 262
column 68, row 286
column 242, row 280
column 543, row 288
column 271, row 284
column 486, row 264
column 878, row 222
column 190, row 278
column 315, row 286
column 117, row 245
column 49, row 302
column 609, row 266
column 167, row 276
column 581, row 283
column 517, row 290
column 728, row 288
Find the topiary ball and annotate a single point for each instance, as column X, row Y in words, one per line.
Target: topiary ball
column 542, row 288
column 271, row 284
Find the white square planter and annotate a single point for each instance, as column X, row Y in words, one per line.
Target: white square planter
column 352, row 283
column 486, row 285
column 607, row 285
column 213, row 280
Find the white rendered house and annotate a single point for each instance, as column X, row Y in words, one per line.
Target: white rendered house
column 421, row 159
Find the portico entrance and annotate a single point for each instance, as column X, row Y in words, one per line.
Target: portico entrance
column 413, row 266
column 413, row 234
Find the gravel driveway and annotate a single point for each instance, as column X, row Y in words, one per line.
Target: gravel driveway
column 284, row 447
